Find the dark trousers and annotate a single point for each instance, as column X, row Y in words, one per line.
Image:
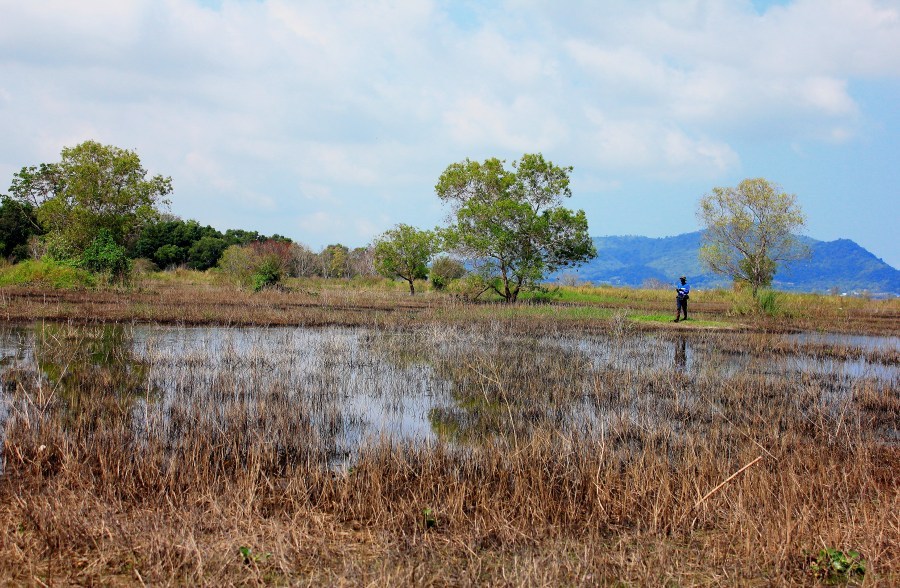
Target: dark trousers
column 681, row 306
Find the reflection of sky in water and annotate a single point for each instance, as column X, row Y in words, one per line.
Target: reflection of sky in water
column 866, row 342
column 356, row 385
column 15, row 345
column 328, row 372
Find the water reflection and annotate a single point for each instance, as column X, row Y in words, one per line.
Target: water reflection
column 92, row 371
column 309, row 393
column 681, row 354
column 866, row 342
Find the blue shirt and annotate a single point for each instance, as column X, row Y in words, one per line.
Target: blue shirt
column 683, row 290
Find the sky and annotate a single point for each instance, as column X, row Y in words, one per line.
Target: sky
column 331, row 121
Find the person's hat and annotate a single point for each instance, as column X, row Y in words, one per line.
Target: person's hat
column 682, row 278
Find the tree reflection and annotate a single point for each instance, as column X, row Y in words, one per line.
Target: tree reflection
column 93, row 373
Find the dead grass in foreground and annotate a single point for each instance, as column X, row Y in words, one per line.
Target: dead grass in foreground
column 539, row 517
column 742, row 480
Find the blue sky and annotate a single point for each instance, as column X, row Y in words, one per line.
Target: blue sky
column 331, row 121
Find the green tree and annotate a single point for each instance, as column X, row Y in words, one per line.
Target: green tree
column 335, row 261
column 206, row 252
column 168, row 256
column 749, row 230
column 18, row 224
column 255, row 265
column 240, row 263
column 404, row 252
column 268, row 273
column 103, row 255
column 242, row 237
column 510, row 224
column 168, row 241
column 444, row 270
column 92, row 187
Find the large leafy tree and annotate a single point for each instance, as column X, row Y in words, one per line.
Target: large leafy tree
column 510, row 223
column 205, row 252
column 168, row 241
column 93, row 187
column 335, row 261
column 404, row 252
column 749, row 230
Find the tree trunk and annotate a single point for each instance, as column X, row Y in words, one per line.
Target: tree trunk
column 516, row 290
column 507, row 294
column 412, row 288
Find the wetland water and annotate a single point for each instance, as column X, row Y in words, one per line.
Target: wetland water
column 337, row 389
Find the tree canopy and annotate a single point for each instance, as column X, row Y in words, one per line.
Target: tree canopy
column 404, row 252
column 510, row 223
column 93, row 187
column 749, row 230
column 18, row 224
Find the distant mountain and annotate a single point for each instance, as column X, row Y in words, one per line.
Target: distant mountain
column 631, row 261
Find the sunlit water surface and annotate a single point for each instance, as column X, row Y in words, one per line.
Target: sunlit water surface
column 351, row 385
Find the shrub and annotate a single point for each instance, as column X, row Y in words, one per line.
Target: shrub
column 169, row 255
column 206, row 252
column 239, row 263
column 248, row 267
column 104, row 256
column 834, row 566
column 768, row 303
column 46, row 273
column 444, row 270
column 469, row 287
column 58, row 248
column 267, row 274
column 142, row 265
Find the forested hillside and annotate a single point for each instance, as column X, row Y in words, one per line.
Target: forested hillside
column 840, row 265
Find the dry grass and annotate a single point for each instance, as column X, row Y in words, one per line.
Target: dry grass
column 151, row 463
column 194, row 298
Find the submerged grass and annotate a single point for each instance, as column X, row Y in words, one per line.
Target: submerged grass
column 553, row 459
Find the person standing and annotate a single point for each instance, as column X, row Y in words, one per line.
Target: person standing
column 682, row 293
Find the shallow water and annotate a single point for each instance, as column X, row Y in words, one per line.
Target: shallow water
column 866, row 342
column 340, row 388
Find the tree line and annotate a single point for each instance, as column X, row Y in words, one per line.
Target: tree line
column 98, row 209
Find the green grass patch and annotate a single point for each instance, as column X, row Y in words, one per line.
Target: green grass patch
column 574, row 297
column 668, row 318
column 45, row 273
column 550, row 311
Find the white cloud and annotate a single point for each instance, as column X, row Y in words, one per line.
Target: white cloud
column 281, row 105
column 664, row 150
column 325, row 225
column 321, row 223
column 209, row 170
column 521, row 125
column 316, row 192
column 828, row 95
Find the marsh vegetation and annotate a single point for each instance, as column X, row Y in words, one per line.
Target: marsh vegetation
column 445, row 454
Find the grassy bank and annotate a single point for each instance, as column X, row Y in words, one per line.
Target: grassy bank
column 205, row 298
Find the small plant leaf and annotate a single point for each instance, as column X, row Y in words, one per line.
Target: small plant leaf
column 246, row 553
column 428, row 519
